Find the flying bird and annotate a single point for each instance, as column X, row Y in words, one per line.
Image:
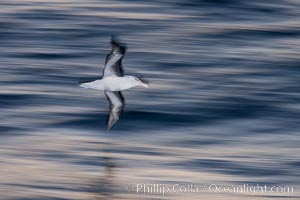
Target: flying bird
column 113, row 82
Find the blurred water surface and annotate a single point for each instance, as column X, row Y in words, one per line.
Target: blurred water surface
column 223, row 106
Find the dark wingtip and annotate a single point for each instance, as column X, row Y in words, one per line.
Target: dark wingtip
column 116, row 42
column 113, row 38
column 108, row 126
column 109, row 123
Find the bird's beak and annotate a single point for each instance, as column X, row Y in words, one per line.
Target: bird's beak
column 146, row 85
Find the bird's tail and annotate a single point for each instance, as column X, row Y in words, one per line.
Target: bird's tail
column 85, row 85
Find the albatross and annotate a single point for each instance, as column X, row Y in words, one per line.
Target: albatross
column 114, row 81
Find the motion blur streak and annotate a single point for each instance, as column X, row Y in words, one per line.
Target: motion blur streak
column 223, row 106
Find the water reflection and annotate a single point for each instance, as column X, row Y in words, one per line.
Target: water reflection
column 105, row 186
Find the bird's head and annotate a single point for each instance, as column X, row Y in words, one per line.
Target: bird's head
column 139, row 82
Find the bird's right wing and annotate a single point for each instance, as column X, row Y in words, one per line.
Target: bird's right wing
column 113, row 61
column 116, row 106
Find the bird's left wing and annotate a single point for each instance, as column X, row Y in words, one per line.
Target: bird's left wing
column 116, row 106
column 113, row 61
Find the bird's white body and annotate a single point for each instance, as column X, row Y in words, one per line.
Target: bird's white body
column 114, row 83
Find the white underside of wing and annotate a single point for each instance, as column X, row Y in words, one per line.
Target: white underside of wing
column 108, row 69
column 113, row 59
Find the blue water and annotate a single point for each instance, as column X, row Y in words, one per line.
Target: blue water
column 223, row 105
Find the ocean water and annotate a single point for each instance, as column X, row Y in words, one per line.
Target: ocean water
column 222, row 109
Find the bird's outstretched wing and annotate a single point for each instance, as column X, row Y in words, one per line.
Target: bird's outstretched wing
column 113, row 61
column 116, row 106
